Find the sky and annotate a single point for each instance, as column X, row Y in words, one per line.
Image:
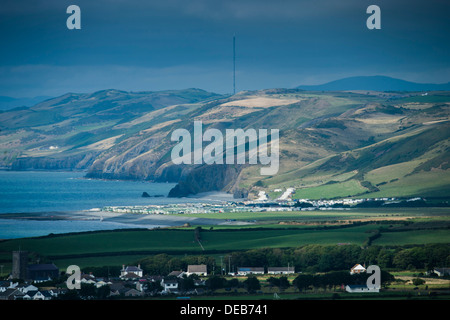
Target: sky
column 176, row 44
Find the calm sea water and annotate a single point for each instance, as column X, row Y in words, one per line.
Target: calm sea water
column 11, row 228
column 38, row 191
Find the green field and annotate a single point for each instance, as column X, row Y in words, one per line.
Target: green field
column 396, row 227
column 327, row 215
column 181, row 241
column 414, row 237
column 333, row 190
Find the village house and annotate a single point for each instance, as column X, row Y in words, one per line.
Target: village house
column 101, row 283
column 24, row 287
column 169, row 285
column 199, row 270
column 37, row 295
column 131, row 292
column 360, row 289
column 42, row 272
column 357, row 268
column 88, row 279
column 244, row 271
column 116, row 288
column 131, row 272
column 280, row 270
column 442, row 271
column 178, row 274
column 11, row 294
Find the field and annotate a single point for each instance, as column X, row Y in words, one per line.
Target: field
column 269, row 230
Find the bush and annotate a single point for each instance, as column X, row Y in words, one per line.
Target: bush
column 418, row 281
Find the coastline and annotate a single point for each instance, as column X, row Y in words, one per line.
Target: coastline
column 37, row 224
column 141, row 220
column 44, row 207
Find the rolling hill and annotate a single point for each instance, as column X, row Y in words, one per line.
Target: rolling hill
column 332, row 144
column 10, row 103
column 375, row 83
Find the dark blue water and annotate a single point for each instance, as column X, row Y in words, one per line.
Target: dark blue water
column 38, row 191
column 12, row 228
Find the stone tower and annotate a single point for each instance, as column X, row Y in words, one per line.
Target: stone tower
column 19, row 264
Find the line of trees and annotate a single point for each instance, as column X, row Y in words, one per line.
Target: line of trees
column 320, row 258
column 306, row 259
column 334, row 279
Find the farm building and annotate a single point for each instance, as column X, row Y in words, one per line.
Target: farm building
column 360, row 289
column 243, row 271
column 280, row 270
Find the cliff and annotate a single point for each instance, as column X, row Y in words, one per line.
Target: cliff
column 331, row 143
column 207, row 178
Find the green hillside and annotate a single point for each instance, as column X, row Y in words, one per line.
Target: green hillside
column 332, row 144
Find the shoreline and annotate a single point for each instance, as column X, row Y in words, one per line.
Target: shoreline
column 26, row 225
column 167, row 220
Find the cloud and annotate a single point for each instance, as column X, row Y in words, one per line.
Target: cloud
column 174, row 44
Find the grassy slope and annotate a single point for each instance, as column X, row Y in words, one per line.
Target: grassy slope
column 410, row 165
column 112, row 248
column 333, row 144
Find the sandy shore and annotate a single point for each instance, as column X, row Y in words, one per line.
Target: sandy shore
column 140, row 220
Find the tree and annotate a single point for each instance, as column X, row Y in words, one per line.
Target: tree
column 232, row 283
column 284, row 283
column 252, row 284
column 103, row 292
column 215, row 282
column 154, row 286
column 187, row 283
column 418, row 281
column 281, row 282
column 303, row 281
column 384, row 259
column 275, row 282
column 87, row 290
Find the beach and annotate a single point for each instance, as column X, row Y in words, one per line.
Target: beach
column 37, row 203
column 125, row 218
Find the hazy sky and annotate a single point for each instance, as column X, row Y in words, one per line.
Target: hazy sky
column 176, row 44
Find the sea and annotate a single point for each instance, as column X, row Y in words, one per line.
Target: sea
column 43, row 191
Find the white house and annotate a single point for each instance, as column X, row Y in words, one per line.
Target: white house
column 88, row 279
column 243, row 271
column 37, row 295
column 4, row 285
column 131, row 272
column 360, row 289
column 198, row 269
column 442, row 271
column 169, row 285
column 357, row 268
column 280, row 270
column 102, row 283
column 24, row 288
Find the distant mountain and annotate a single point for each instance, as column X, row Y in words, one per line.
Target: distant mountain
column 375, row 83
column 10, row 103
